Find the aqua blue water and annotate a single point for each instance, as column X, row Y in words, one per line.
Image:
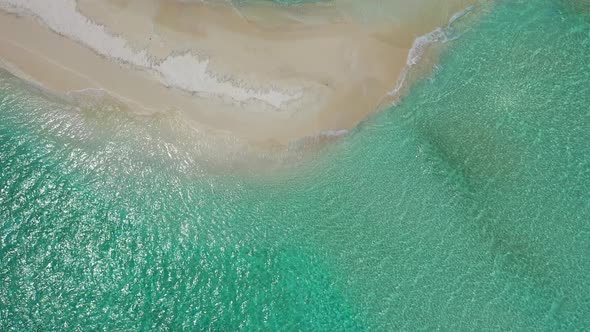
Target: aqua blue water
column 465, row 207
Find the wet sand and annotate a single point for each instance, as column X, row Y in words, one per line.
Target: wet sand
column 260, row 72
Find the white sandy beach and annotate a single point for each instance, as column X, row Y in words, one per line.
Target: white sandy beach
column 261, row 72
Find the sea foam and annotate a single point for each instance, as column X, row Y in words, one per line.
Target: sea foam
column 422, row 43
column 183, row 71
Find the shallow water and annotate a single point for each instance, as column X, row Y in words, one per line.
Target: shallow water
column 465, row 207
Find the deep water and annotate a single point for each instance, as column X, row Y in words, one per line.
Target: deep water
column 464, row 208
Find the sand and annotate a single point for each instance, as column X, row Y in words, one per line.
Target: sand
column 259, row 72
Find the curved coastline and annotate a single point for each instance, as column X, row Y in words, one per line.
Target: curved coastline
column 278, row 97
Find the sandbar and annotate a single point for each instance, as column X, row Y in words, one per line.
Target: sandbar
column 262, row 72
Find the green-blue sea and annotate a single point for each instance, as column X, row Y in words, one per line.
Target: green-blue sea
column 464, row 207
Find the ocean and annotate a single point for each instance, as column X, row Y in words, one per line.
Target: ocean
column 463, row 207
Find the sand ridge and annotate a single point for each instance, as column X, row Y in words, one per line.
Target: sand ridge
column 276, row 79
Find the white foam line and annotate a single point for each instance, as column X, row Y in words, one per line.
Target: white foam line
column 183, row 71
column 18, row 71
column 460, row 14
column 421, row 44
column 332, row 133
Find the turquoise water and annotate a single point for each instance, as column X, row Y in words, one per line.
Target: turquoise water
column 465, row 207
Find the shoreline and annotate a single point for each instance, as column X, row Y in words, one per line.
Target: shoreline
column 291, row 81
